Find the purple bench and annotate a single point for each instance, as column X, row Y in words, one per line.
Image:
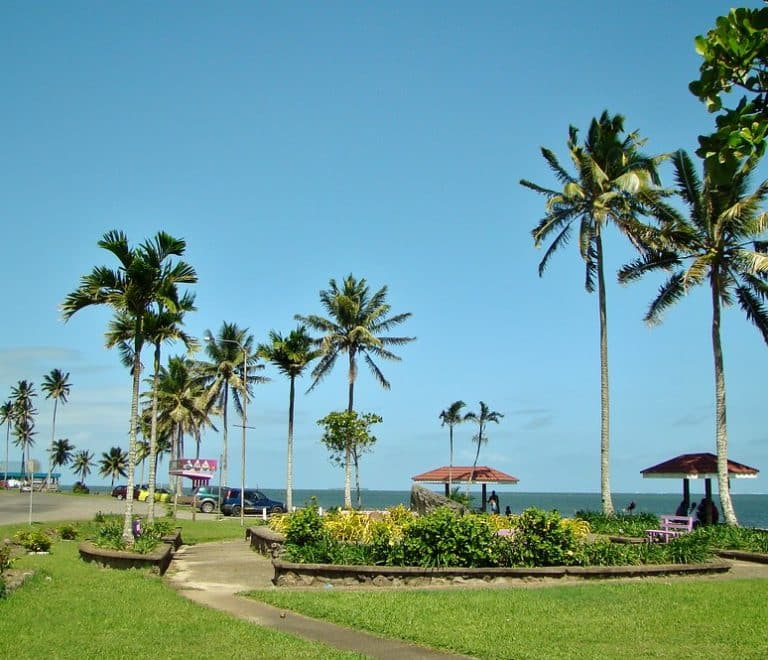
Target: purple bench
column 670, row 527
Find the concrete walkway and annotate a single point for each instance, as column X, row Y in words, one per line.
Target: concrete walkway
column 212, row 574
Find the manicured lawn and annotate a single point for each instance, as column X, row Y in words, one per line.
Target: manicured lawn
column 706, row 619
column 71, row 609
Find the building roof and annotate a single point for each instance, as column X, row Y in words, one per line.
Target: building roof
column 461, row 473
column 695, row 466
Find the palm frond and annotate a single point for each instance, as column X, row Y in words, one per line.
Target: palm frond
column 754, row 310
column 669, row 293
column 561, row 174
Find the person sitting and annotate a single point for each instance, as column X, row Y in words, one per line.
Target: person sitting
column 682, row 509
column 706, row 513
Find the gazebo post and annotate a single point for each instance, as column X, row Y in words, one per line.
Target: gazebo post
column 485, row 486
column 447, row 492
column 708, row 497
column 687, row 494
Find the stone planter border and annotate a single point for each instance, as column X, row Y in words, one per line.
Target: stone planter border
column 265, row 540
column 304, row 575
column 159, row 558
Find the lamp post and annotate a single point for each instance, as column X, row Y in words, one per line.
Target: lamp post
column 209, row 338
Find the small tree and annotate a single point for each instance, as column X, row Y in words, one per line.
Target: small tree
column 346, row 435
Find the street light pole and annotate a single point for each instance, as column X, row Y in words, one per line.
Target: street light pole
column 208, row 337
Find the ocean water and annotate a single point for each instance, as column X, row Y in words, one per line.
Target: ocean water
column 751, row 510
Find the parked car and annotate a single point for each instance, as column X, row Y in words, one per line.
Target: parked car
column 121, row 491
column 161, row 494
column 255, row 502
column 207, row 498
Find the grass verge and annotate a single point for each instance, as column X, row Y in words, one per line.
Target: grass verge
column 723, row 619
column 71, row 609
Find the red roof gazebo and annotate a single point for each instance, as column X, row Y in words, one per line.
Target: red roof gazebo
column 696, row 466
column 481, row 474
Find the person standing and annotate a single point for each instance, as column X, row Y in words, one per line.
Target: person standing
column 493, row 501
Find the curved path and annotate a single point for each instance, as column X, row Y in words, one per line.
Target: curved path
column 201, row 574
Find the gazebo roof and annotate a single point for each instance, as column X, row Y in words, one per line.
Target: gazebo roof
column 461, row 473
column 695, row 466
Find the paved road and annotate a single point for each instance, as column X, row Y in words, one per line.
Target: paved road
column 14, row 506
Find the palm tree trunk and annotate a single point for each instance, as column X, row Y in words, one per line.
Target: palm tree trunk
column 450, row 459
column 153, row 441
column 289, row 461
column 128, row 519
column 225, row 446
column 605, row 442
column 348, row 452
column 721, row 433
column 53, row 439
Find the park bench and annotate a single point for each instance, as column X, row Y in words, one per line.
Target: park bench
column 670, row 527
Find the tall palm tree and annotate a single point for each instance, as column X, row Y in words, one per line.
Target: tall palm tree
column 113, row 464
column 82, row 464
column 224, row 373
column 6, row 417
column 290, row 355
column 481, row 418
column 160, row 325
column 355, row 325
column 56, row 386
column 61, row 452
column 451, row 416
column 24, row 411
column 712, row 246
column 145, row 277
column 613, row 182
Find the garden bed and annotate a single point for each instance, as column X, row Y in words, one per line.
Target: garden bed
column 159, row 558
column 289, row 574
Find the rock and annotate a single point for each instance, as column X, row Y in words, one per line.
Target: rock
column 424, row 500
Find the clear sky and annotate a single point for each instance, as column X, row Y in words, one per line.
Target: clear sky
column 294, row 142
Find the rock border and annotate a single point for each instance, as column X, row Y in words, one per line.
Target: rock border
column 159, row 558
column 304, row 575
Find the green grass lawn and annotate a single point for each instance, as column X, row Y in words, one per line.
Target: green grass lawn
column 72, row 609
column 703, row 619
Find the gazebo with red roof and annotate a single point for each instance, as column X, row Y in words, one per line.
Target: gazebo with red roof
column 696, row 466
column 481, row 474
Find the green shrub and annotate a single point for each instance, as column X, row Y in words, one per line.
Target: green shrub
column 6, row 557
column 110, row 535
column 540, row 539
column 33, row 540
column 67, row 532
column 728, row 537
column 620, row 524
column 605, row 553
column 80, row 488
column 443, row 538
column 305, row 526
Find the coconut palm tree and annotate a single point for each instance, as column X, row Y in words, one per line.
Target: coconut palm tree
column 82, row 464
column 6, row 417
column 61, row 452
column 144, row 278
column 291, row 355
column 481, row 418
column 160, row 325
column 24, row 411
column 451, row 416
column 56, row 386
column 224, row 373
column 113, row 464
column 355, row 325
column 613, row 182
column 718, row 244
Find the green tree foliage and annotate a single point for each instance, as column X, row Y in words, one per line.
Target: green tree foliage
column 82, row 464
column 6, row 417
column 146, row 279
column 61, row 452
column 614, row 183
column 56, row 386
column 113, row 464
column 291, row 355
column 734, row 58
column 717, row 245
column 23, row 395
column 450, row 417
column 482, row 417
column 347, row 434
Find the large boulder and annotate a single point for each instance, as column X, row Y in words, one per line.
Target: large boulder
column 424, row 500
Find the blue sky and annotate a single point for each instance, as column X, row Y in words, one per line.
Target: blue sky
column 290, row 143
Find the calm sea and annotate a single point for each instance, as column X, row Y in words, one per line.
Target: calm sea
column 751, row 510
